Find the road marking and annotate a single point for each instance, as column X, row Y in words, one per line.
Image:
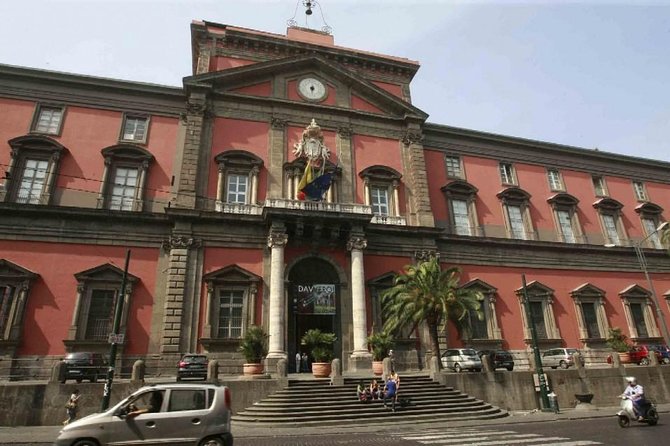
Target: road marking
column 474, row 437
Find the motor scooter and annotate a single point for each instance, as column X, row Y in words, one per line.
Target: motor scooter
column 626, row 414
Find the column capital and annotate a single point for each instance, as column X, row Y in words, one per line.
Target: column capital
column 277, row 239
column 278, row 123
column 180, row 242
column 357, row 242
column 412, row 137
column 424, row 255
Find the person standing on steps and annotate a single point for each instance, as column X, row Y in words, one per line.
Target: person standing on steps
column 297, row 362
column 390, row 392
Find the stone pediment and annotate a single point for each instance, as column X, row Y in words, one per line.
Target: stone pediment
column 236, row 81
column 9, row 270
column 634, row 291
column 231, row 274
column 536, row 289
column 104, row 273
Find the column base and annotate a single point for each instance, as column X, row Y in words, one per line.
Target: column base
column 359, row 362
column 271, row 361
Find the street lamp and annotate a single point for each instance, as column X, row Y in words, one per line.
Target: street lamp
column 643, row 264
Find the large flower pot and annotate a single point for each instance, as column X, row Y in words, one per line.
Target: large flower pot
column 321, row 369
column 253, row 369
column 378, row 368
column 624, row 357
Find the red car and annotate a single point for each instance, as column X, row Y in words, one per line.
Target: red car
column 640, row 355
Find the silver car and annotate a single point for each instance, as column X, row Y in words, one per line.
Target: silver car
column 560, row 357
column 459, row 359
column 161, row 414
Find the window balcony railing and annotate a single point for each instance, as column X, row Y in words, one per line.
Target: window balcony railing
column 98, row 329
column 346, row 208
column 238, row 208
column 389, row 220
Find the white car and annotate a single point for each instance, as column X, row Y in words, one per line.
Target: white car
column 458, row 359
column 171, row 414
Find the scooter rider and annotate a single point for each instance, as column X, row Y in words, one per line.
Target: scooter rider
column 635, row 393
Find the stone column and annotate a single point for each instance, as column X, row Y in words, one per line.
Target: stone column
column 254, row 185
column 414, row 162
column 185, row 189
column 360, row 359
column 276, row 242
column 101, row 192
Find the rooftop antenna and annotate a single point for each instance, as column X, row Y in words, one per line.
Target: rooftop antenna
column 310, row 6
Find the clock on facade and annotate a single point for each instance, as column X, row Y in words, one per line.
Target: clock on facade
column 312, row 89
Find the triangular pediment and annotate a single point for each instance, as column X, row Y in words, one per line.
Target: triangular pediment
column 9, row 270
column 104, row 273
column 385, row 280
column 587, row 290
column 634, row 291
column 479, row 285
column 537, row 289
column 231, row 274
column 250, row 79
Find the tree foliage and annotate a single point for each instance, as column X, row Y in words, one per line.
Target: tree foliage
column 426, row 293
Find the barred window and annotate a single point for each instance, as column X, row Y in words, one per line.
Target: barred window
column 100, row 314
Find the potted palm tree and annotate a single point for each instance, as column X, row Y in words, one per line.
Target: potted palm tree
column 618, row 342
column 254, row 347
column 320, row 346
column 380, row 344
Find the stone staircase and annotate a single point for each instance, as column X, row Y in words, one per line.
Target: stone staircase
column 316, row 402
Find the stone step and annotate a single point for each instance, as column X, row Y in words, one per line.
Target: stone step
column 303, row 410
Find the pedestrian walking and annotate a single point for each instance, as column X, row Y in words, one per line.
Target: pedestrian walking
column 71, row 407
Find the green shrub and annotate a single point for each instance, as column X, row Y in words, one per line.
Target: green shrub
column 617, row 341
column 380, row 344
column 254, row 345
column 319, row 344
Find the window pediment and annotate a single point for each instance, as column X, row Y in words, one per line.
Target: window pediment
column 380, row 173
column 104, row 273
column 481, row 286
column 459, row 188
column 385, row 280
column 232, row 274
column 128, row 152
column 563, row 199
column 9, row 270
column 608, row 204
column 649, row 208
column 587, row 290
column 37, row 143
column 536, row 289
column 634, row 291
column 513, row 195
column 238, row 159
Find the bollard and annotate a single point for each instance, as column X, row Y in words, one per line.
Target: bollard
column 553, row 401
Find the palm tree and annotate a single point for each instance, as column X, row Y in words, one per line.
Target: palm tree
column 426, row 293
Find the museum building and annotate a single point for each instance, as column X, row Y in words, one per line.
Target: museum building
column 204, row 185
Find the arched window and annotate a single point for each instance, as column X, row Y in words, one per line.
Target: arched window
column 237, row 182
column 651, row 218
column 461, row 197
column 381, row 192
column 568, row 228
column 124, row 177
column 294, row 171
column 32, row 170
column 516, row 210
column 610, row 218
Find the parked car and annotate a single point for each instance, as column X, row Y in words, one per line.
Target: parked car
column 639, row 354
column 560, row 357
column 500, row 359
column 192, row 366
column 459, row 359
column 84, row 365
column 188, row 413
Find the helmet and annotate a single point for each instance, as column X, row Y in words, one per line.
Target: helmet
column 631, row 379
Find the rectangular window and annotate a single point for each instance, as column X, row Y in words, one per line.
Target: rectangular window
column 591, row 320
column 537, row 318
column 461, row 217
column 611, row 231
column 230, row 313
column 48, row 120
column 453, row 166
column 32, row 181
column 554, row 177
column 379, row 199
column 478, row 327
column 599, row 186
column 100, row 314
column 650, row 228
column 637, row 313
column 237, row 188
column 565, row 223
column 134, row 128
column 7, row 295
column 124, row 188
column 640, row 192
column 187, row 399
column 507, row 173
column 516, row 224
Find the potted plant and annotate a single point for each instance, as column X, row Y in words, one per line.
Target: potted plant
column 254, row 347
column 320, row 345
column 380, row 344
column 618, row 342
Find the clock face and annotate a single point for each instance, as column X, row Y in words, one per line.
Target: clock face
column 312, row 89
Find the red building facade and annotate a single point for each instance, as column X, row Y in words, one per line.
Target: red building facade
column 201, row 183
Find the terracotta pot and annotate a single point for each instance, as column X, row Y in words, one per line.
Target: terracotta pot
column 253, row 369
column 624, row 357
column 377, row 367
column 321, row 369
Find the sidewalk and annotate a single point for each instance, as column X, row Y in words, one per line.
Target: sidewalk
column 47, row 434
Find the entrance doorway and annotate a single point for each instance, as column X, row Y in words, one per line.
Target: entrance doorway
column 314, row 292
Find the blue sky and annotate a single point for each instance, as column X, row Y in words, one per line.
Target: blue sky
column 591, row 74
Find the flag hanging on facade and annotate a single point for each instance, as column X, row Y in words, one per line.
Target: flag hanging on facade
column 316, row 189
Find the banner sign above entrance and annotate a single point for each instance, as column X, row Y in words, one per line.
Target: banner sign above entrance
column 315, row 299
